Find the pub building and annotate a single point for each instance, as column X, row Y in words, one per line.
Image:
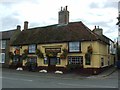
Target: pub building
column 66, row 46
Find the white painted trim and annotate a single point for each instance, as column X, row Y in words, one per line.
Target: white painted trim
column 1, row 44
column 1, row 58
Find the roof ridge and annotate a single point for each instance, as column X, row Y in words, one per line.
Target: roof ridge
column 7, row 31
column 53, row 25
column 89, row 30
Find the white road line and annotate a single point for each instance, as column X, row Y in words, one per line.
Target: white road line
column 89, row 86
column 17, row 79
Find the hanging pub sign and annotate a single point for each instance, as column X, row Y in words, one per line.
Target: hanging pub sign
column 53, row 50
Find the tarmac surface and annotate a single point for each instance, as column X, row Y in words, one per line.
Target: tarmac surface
column 12, row 78
column 106, row 73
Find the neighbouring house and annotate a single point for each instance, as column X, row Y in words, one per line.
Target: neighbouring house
column 5, row 40
column 64, row 46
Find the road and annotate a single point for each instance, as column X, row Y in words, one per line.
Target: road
column 24, row 79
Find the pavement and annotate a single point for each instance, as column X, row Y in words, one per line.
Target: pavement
column 63, row 76
column 105, row 73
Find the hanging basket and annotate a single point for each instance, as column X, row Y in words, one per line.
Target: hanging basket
column 39, row 53
column 64, row 54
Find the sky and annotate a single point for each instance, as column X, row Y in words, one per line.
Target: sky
column 38, row 13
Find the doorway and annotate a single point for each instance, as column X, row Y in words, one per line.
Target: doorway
column 52, row 61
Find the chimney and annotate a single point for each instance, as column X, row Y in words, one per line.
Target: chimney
column 61, row 8
column 25, row 25
column 95, row 27
column 66, row 7
column 63, row 16
column 18, row 27
column 98, row 30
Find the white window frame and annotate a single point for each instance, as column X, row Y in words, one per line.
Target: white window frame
column 32, row 48
column 74, row 46
column 1, row 58
column 2, row 44
column 45, row 60
column 75, row 59
column 58, row 61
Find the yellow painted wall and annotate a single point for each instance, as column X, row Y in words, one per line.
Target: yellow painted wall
column 99, row 50
column 22, row 49
column 95, row 59
column 54, row 45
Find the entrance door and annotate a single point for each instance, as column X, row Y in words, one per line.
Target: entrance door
column 52, row 63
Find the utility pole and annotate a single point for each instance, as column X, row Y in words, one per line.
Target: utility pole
column 118, row 39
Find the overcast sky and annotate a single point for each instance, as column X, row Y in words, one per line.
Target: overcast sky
column 39, row 13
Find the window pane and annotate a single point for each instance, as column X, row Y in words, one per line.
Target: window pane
column 74, row 47
column 102, row 61
column 45, row 60
column 58, row 60
column 3, row 44
column 87, row 59
column 75, row 60
column 32, row 48
column 2, row 58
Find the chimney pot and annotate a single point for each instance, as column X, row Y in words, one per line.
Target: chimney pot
column 61, row 8
column 25, row 25
column 98, row 27
column 95, row 27
column 18, row 27
column 66, row 8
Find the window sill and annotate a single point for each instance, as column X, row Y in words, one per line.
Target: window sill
column 3, row 48
column 2, row 62
column 75, row 52
column 31, row 53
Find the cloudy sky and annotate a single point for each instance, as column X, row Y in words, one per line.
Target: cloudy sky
column 39, row 13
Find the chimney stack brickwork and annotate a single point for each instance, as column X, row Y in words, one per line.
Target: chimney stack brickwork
column 98, row 30
column 63, row 16
column 25, row 25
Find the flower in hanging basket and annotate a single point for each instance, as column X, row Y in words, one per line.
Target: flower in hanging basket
column 39, row 53
column 62, row 56
column 25, row 54
column 90, row 49
column 26, row 51
column 11, row 55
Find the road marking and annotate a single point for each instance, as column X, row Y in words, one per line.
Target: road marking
column 16, row 79
column 89, row 86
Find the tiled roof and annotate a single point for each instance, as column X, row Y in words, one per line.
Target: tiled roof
column 6, row 34
column 74, row 31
